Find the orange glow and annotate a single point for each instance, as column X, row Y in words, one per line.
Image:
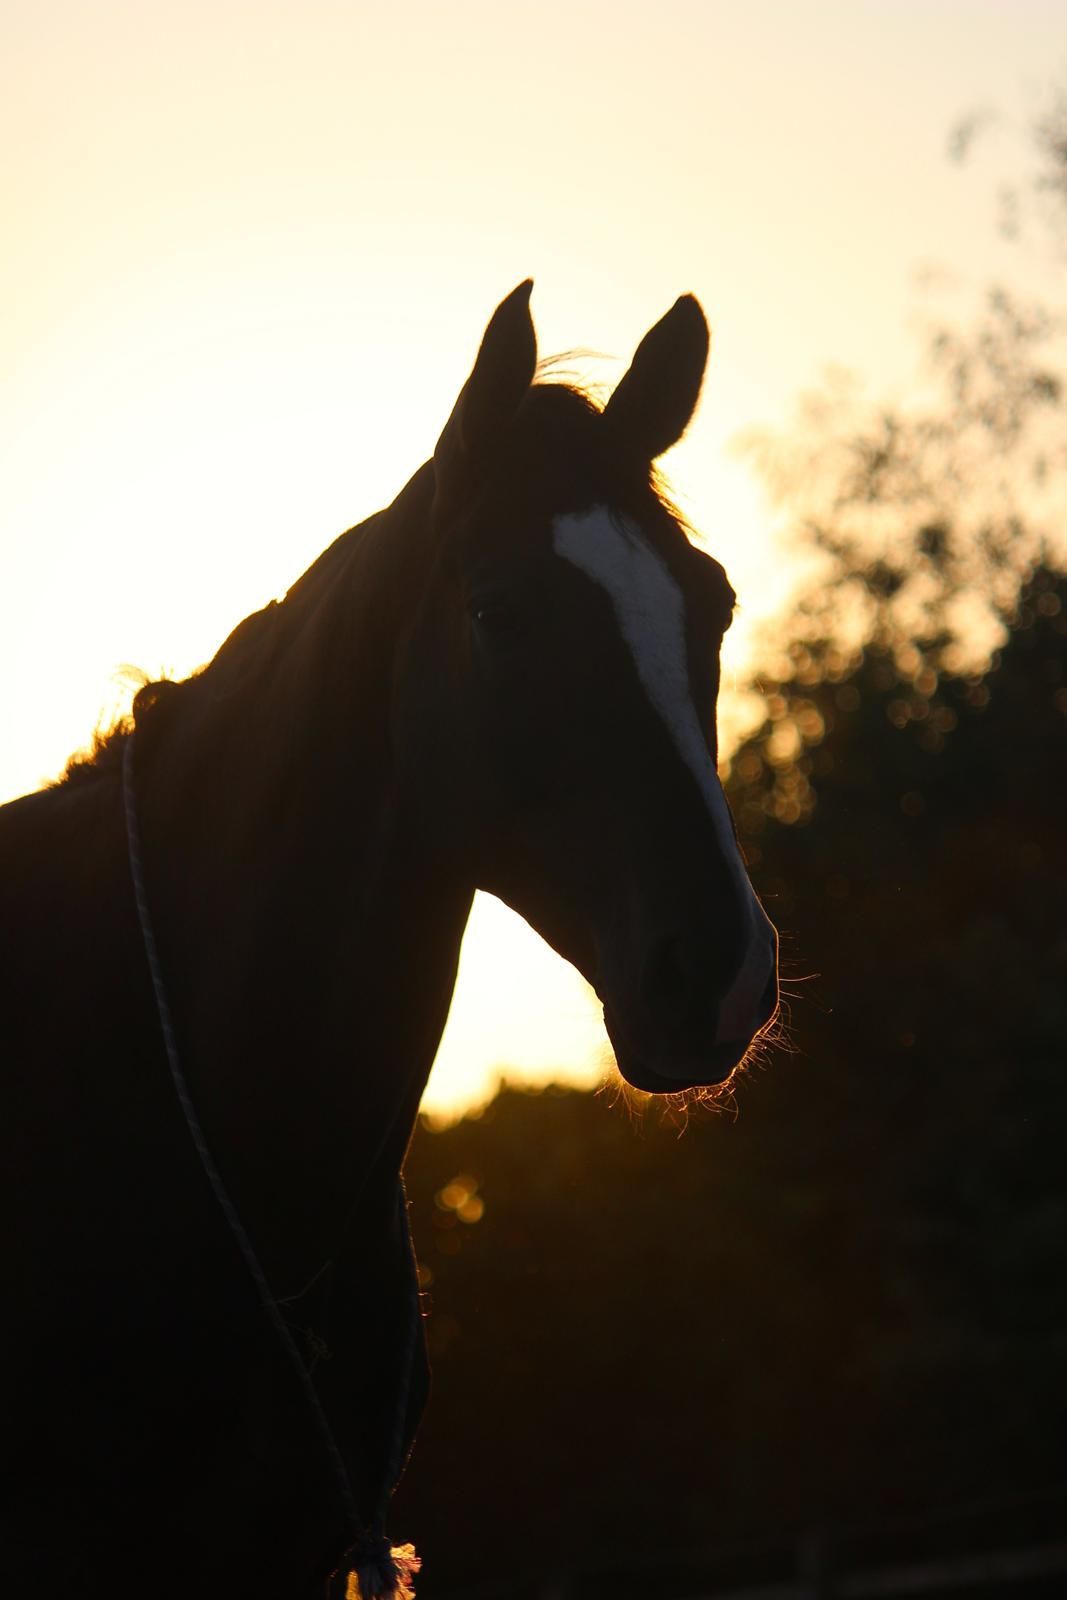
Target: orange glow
column 461, row 1197
column 251, row 249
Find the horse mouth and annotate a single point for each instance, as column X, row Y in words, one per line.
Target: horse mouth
column 659, row 1073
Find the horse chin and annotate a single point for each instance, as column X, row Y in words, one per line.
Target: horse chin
column 659, row 1073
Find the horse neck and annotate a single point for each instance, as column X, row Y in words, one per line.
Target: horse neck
column 309, row 940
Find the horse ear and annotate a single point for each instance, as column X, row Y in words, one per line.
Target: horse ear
column 488, row 401
column 652, row 405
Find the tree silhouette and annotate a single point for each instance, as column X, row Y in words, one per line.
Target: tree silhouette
column 923, row 521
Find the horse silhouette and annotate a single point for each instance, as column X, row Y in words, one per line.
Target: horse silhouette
column 229, row 943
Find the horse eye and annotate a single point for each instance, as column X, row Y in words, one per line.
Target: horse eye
column 495, row 616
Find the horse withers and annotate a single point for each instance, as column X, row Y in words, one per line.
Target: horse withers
column 254, row 892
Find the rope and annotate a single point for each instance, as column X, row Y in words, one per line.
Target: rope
column 395, row 1464
column 379, row 1568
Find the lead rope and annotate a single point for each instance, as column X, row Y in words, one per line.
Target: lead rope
column 379, row 1570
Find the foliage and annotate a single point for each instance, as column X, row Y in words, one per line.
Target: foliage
column 923, row 521
column 925, row 518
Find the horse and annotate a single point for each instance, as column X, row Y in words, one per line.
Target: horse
column 229, row 942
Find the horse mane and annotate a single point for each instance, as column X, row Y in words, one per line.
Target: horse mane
column 228, row 666
column 559, row 407
column 103, row 755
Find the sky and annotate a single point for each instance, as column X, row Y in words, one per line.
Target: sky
column 250, row 249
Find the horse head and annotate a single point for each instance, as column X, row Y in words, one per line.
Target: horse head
column 555, row 696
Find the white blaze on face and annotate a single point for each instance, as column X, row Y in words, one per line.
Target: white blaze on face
column 650, row 611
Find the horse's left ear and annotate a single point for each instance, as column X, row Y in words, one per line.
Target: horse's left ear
column 488, row 401
column 652, row 405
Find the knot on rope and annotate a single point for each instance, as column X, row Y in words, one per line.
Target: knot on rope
column 379, row 1570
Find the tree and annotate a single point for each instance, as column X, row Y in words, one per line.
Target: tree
column 923, row 521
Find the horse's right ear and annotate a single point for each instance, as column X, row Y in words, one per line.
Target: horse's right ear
column 488, row 401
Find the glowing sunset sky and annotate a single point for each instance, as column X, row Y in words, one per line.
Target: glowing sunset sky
column 250, row 249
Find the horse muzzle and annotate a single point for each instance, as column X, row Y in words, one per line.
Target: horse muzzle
column 694, row 1012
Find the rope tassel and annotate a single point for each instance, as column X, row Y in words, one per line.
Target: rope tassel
column 382, row 1571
